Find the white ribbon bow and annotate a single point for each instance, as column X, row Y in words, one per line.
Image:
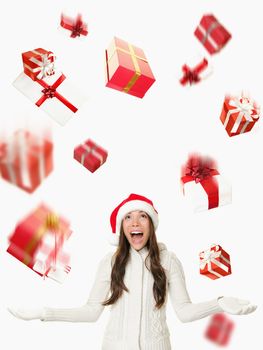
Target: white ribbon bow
column 45, row 66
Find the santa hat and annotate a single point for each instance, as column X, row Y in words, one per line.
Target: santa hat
column 133, row 202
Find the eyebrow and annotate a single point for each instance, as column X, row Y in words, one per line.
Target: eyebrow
column 140, row 211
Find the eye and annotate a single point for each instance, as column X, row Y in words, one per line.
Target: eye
column 127, row 217
column 144, row 215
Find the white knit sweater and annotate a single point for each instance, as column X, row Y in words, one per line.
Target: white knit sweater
column 135, row 324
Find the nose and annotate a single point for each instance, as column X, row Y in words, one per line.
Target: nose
column 135, row 221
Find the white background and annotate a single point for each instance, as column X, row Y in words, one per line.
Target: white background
column 148, row 140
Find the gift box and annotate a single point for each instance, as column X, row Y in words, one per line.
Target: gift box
column 127, row 68
column 76, row 26
column 26, row 160
column 215, row 262
column 203, row 187
column 90, row 155
column 38, row 239
column 239, row 115
column 47, row 264
column 220, row 329
column 196, row 74
column 212, row 34
column 55, row 95
column 38, row 63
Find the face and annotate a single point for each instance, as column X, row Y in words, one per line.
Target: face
column 136, row 227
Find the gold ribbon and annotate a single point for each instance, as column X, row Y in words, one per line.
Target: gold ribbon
column 51, row 223
column 135, row 59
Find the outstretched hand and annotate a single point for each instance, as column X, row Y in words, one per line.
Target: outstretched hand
column 236, row 306
column 26, row 314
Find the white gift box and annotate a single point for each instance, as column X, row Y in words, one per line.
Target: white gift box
column 197, row 198
column 59, row 111
column 72, row 19
column 59, row 266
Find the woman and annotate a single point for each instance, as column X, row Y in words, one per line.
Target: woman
column 135, row 281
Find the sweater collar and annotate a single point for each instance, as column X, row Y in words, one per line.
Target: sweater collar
column 144, row 251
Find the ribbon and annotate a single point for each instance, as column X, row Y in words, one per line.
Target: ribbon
column 224, row 327
column 135, row 59
column 45, row 66
column 77, row 27
column 51, row 223
column 207, row 34
column 245, row 109
column 211, row 256
column 49, row 91
column 200, row 171
column 199, row 174
column 192, row 75
column 137, row 72
column 91, row 149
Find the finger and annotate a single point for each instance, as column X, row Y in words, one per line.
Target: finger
column 248, row 309
column 251, row 308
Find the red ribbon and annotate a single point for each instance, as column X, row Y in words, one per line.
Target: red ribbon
column 203, row 174
column 49, row 91
column 191, row 75
column 77, row 27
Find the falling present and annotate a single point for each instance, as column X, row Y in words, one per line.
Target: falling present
column 50, row 262
column 91, row 155
column 31, row 234
column 203, row 186
column 26, row 159
column 193, row 75
column 220, row 329
column 212, row 34
column 127, row 68
column 55, row 95
column 239, row 115
column 38, row 63
column 76, row 26
column 215, row 262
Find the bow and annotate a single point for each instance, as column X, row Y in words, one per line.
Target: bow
column 77, row 27
column 199, row 173
column 191, row 75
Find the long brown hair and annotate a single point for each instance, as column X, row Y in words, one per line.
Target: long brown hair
column 121, row 258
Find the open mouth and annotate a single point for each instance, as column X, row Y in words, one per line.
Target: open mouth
column 137, row 236
column 136, row 233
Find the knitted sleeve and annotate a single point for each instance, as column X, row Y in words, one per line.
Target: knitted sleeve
column 91, row 311
column 185, row 310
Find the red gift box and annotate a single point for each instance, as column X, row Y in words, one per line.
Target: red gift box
column 90, row 155
column 25, row 160
column 28, row 236
column 215, row 262
column 38, row 63
column 76, row 26
column 219, row 329
column 127, row 68
column 239, row 115
column 212, row 34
